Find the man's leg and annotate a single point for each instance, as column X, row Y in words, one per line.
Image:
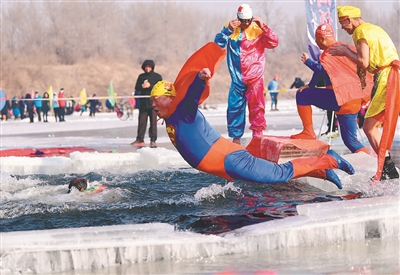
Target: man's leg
column 256, row 103
column 142, row 125
column 153, row 127
column 242, row 165
column 371, row 130
column 236, row 111
column 321, row 167
column 331, row 122
column 305, row 113
column 321, row 98
column 348, row 130
column 39, row 110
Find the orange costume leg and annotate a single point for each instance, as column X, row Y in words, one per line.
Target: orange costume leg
column 305, row 113
column 321, row 167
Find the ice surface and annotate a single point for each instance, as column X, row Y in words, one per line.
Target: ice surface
column 98, row 247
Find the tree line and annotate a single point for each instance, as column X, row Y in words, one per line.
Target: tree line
column 66, row 33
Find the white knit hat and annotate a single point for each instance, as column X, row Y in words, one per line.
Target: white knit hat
column 245, row 12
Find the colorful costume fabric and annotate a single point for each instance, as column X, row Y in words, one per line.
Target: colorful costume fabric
column 342, row 95
column 385, row 65
column 246, row 64
column 204, row 148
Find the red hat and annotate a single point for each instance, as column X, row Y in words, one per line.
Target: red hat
column 324, row 30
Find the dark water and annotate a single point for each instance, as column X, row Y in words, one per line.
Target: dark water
column 189, row 200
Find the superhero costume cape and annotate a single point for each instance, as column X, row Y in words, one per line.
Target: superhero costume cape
column 209, row 56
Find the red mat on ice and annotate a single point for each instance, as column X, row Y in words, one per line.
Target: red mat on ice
column 273, row 148
column 43, row 152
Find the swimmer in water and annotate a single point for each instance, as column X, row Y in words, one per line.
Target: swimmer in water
column 79, row 183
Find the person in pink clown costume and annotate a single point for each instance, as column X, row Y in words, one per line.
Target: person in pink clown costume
column 246, row 38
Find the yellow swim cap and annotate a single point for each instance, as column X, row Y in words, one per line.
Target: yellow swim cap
column 163, row 88
column 348, row 12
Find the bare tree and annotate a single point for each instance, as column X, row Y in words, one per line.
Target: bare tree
column 296, row 35
column 123, row 34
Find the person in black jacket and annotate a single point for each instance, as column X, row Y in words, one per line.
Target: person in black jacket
column 30, row 107
column 21, row 104
column 45, row 106
column 298, row 83
column 93, row 105
column 144, row 84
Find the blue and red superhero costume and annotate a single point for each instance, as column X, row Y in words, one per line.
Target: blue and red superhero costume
column 246, row 64
column 206, row 150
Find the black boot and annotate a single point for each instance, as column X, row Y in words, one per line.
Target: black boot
column 389, row 169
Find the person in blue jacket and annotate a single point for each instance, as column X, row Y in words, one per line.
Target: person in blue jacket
column 38, row 105
column 273, row 92
column 206, row 150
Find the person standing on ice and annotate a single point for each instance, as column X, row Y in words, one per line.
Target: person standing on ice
column 206, row 150
column 376, row 53
column 144, row 84
column 246, row 38
column 343, row 93
column 273, row 92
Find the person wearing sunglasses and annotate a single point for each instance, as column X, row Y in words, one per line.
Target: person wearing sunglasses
column 245, row 38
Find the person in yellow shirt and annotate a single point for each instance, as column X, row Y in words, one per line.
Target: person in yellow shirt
column 376, row 54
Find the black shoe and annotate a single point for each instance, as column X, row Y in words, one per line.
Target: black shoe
column 389, row 170
column 153, row 144
column 327, row 132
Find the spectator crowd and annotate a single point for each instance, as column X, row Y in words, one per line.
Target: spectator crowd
column 40, row 106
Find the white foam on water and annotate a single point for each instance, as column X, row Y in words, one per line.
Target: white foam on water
column 216, row 190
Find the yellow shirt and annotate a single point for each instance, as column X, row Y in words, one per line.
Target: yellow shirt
column 381, row 53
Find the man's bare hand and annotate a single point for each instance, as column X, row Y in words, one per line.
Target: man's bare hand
column 304, row 57
column 258, row 21
column 146, row 84
column 205, row 74
column 338, row 50
column 233, row 24
column 302, row 88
